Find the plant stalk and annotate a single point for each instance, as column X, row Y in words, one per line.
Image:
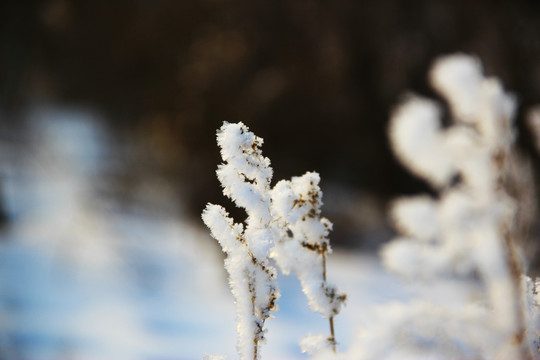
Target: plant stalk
column 331, row 319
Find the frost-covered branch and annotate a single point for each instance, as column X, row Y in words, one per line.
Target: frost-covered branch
column 245, row 177
column 303, row 247
column 283, row 227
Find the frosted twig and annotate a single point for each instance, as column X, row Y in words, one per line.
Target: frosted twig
column 283, row 223
column 245, row 177
column 304, row 245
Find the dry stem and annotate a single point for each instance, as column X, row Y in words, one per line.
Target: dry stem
column 331, row 319
column 502, row 161
column 521, row 330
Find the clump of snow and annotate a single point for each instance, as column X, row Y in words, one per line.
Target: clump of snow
column 459, row 79
column 475, row 99
column 415, row 133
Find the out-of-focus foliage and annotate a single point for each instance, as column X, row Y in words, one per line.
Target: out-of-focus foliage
column 466, row 237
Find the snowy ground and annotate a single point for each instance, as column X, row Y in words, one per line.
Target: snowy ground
column 82, row 280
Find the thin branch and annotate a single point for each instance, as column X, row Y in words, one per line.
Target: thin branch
column 331, row 318
column 521, row 330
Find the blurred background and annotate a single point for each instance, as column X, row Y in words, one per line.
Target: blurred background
column 108, row 114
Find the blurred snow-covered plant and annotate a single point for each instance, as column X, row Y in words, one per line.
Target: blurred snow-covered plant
column 466, row 232
column 283, row 227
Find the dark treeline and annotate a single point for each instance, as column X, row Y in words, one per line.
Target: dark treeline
column 316, row 79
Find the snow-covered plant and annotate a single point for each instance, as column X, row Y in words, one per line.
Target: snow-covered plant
column 465, row 232
column 302, row 250
column 246, row 177
column 283, row 227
